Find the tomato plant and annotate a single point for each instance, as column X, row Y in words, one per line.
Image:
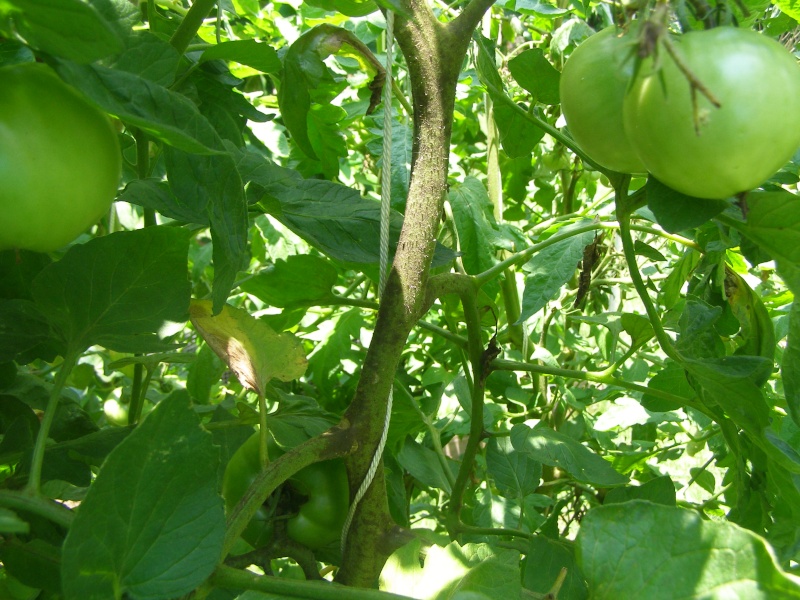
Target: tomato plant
column 711, row 152
column 59, row 160
column 593, row 84
column 317, row 498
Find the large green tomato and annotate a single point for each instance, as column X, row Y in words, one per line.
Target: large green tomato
column 735, row 147
column 317, row 498
column 59, row 160
column 593, row 84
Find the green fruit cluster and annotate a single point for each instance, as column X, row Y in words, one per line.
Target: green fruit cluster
column 658, row 120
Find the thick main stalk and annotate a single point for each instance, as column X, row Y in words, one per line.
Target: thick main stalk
column 434, row 53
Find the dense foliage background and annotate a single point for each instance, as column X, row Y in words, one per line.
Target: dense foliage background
column 599, row 396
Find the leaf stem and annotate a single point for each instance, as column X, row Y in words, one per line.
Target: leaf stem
column 509, row 365
column 34, row 479
column 546, row 127
column 524, row 255
column 624, row 219
column 476, row 353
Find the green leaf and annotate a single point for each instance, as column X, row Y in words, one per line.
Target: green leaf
column 11, row 523
column 115, row 289
column 473, row 221
column 299, row 279
column 167, row 115
column 397, row 6
column 253, row 351
column 402, row 145
column 638, row 327
column 212, row 185
column 325, row 136
column 678, row 275
column 305, row 77
column 729, row 382
column 352, row 8
column 423, row 464
column 671, row 379
column 535, row 74
column 252, row 53
column 644, row 550
column 660, row 490
column 698, row 336
column 757, row 329
column 549, row 270
column 156, row 194
column 331, row 217
column 555, row 449
column 67, row 28
column 539, row 9
column 150, row 57
column 515, row 474
column 297, row 419
column 152, row 523
column 35, row 563
column 17, row 270
column 773, row 222
column 544, row 561
column 790, row 366
column 642, row 249
column 678, row 212
column 22, row 327
column 789, row 7
column 204, row 373
column 518, row 135
column 471, row 572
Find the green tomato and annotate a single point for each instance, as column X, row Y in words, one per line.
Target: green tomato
column 735, row 147
column 319, row 498
column 59, row 160
column 592, row 89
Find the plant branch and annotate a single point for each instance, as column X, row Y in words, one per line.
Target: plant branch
column 34, row 478
column 469, row 18
column 227, row 577
column 624, row 219
column 510, row 365
column 191, row 24
column 525, row 255
column 335, row 443
column 498, row 94
column 35, row 504
column 479, row 372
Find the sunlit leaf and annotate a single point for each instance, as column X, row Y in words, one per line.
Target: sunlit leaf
column 643, row 550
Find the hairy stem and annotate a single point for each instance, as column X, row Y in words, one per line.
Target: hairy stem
column 434, row 53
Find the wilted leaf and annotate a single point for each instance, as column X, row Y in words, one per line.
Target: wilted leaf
column 250, row 347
